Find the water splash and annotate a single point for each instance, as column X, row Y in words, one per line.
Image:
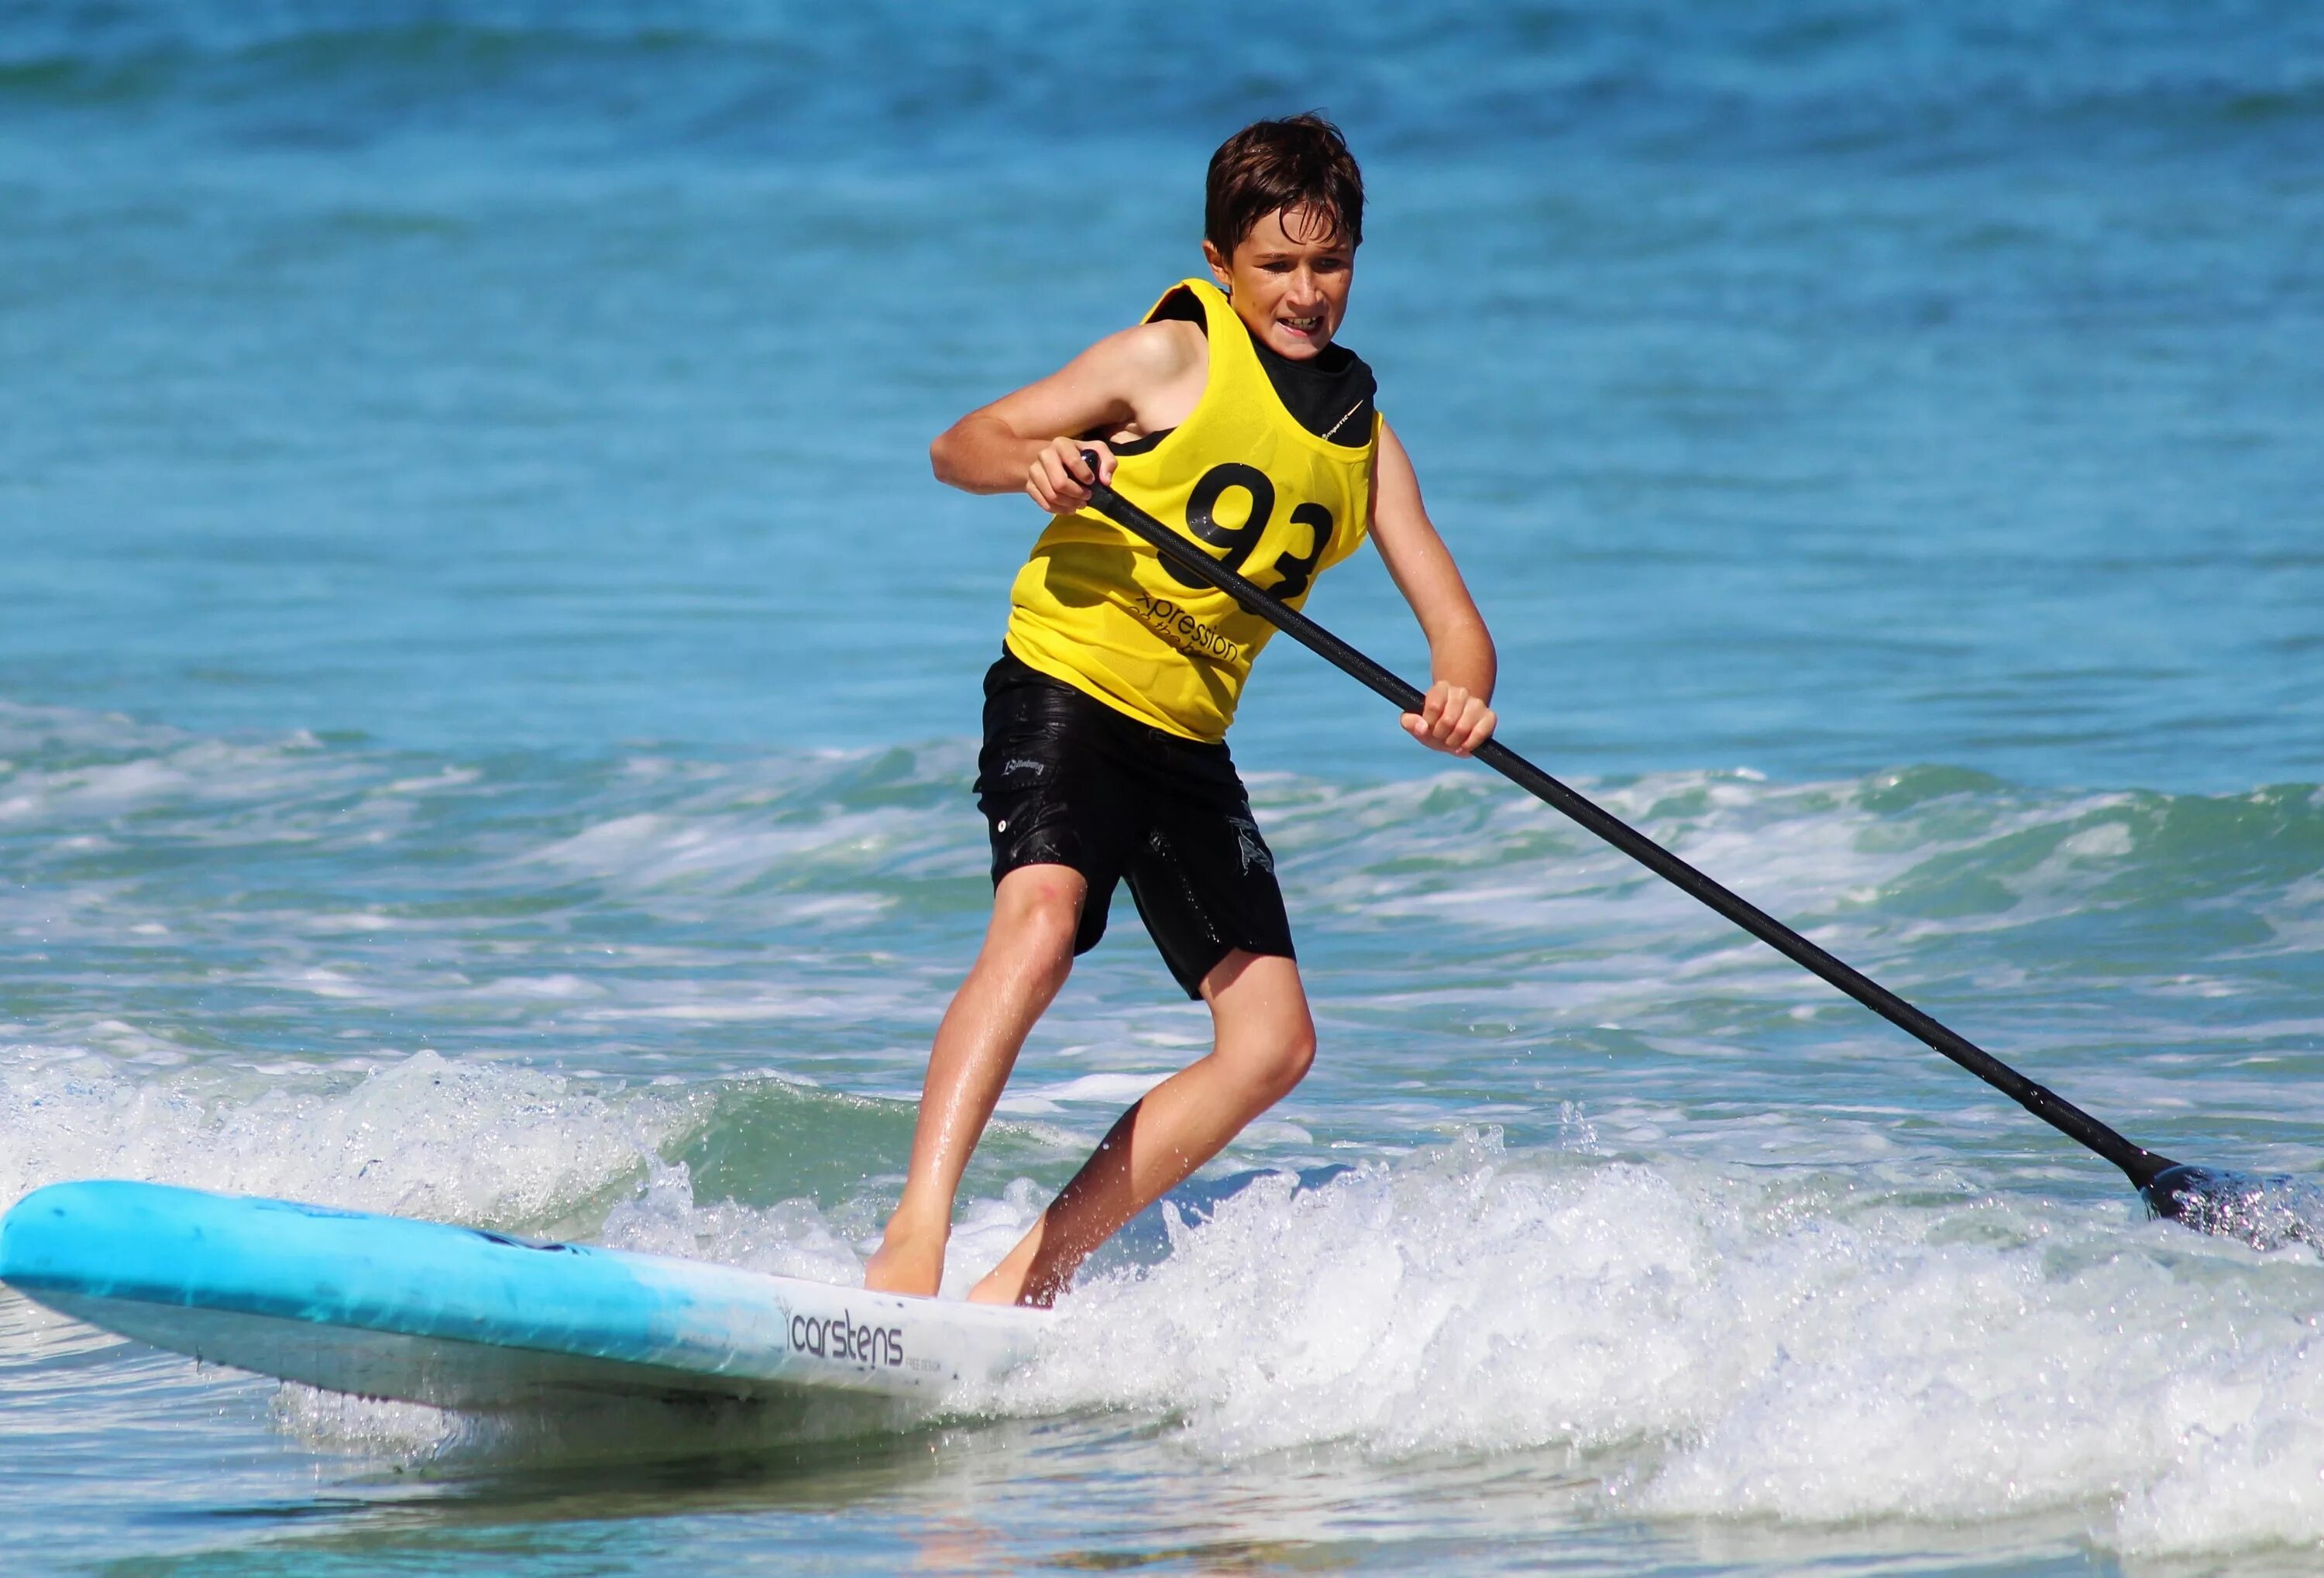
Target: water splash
column 2268, row 1212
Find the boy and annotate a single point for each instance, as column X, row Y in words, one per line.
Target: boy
column 1230, row 412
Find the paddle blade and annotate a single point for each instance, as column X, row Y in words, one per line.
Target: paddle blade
column 2265, row 1212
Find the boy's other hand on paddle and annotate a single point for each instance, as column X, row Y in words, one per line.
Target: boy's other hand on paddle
column 1059, row 478
column 1454, row 719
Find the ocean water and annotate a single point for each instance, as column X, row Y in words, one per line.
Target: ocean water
column 486, row 696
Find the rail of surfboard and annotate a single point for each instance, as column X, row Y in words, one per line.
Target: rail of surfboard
column 447, row 1373
column 386, row 1306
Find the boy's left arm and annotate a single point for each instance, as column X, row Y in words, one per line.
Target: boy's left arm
column 1458, row 716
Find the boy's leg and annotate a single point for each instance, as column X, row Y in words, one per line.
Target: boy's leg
column 1265, row 1042
column 1029, row 948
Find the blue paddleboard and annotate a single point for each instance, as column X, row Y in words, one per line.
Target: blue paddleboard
column 384, row 1306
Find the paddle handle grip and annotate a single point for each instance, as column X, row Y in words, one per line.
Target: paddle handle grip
column 2137, row 1161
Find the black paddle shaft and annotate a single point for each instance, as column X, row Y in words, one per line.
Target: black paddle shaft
column 2139, row 1163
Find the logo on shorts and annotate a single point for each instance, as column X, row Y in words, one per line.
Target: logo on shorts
column 1249, row 846
column 1023, row 764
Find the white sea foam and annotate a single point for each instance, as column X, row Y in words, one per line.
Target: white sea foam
column 1809, row 1344
column 1115, row 1090
column 1459, row 847
column 1719, row 1342
column 421, row 1135
column 491, row 1144
column 87, row 767
column 757, row 825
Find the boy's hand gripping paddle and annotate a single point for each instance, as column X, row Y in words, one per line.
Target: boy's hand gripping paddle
column 2265, row 1212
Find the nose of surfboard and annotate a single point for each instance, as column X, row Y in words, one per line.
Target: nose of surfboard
column 464, row 1317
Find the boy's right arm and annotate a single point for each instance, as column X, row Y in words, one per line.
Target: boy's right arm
column 1030, row 439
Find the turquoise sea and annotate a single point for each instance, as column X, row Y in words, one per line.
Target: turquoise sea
column 486, row 696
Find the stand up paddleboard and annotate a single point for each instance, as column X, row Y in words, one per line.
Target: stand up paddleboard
column 384, row 1306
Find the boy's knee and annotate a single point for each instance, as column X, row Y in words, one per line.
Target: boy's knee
column 1279, row 1062
column 1296, row 1057
column 1039, row 908
column 1265, row 1031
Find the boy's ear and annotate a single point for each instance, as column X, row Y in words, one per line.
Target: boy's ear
column 1219, row 269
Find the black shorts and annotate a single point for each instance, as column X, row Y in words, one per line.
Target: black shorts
column 1065, row 779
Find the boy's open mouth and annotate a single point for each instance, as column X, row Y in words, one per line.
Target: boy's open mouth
column 1304, row 328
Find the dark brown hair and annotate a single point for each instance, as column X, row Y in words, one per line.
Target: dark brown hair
column 1300, row 162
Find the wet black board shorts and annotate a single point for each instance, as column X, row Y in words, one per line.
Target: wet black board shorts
column 1065, row 779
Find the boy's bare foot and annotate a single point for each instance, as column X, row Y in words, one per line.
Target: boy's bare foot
column 1025, row 1276
column 907, row 1263
column 1004, row 1283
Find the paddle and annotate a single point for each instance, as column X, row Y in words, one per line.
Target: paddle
column 2210, row 1201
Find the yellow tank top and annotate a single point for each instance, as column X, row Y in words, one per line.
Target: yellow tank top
column 1097, row 608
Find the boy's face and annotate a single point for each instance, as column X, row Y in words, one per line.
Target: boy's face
column 1288, row 279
